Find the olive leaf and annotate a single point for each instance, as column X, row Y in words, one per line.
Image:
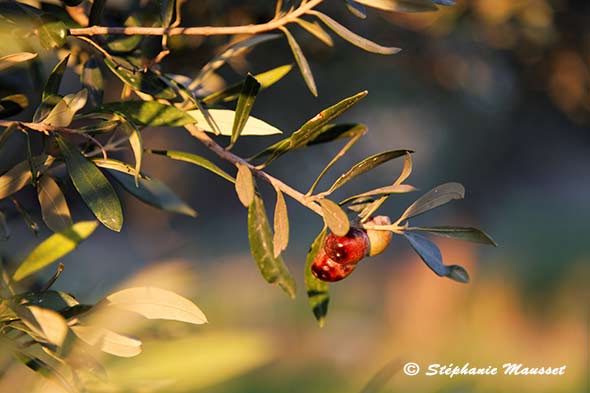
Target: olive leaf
column 20, row 175
column 108, row 341
column 91, row 79
column 44, row 322
column 135, row 141
column 54, row 81
column 145, row 81
column 63, row 113
column 224, row 118
column 244, row 107
column 148, row 113
column 317, row 290
column 316, row 30
column 14, row 59
column 245, row 185
column 356, row 9
column 434, row 198
column 272, row 268
column 195, row 160
column 54, row 208
column 280, row 239
column 400, row 5
column 461, row 233
column 94, row 188
column 166, row 11
column 334, row 217
column 54, row 247
column 301, row 62
column 52, row 34
column 387, row 190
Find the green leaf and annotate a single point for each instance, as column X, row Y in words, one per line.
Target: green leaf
column 53, row 300
column 316, row 130
column 93, row 187
column 12, row 105
column 280, row 239
column 101, row 127
column 266, row 79
column 245, row 185
column 400, row 5
column 366, row 165
column 166, row 11
column 54, row 208
column 156, row 303
column 146, row 81
column 434, row 198
column 225, row 119
column 136, row 143
column 54, row 247
column 301, row 62
column 387, row 190
column 272, row 269
column 317, row 290
column 63, row 113
column 54, row 81
column 334, row 217
column 20, row 175
column 244, row 107
column 151, row 191
column 462, row 233
column 149, row 113
column 430, row 254
column 15, row 58
column 356, row 9
column 316, row 30
column 91, row 79
column 125, row 44
column 52, row 34
column 195, row 160
column 108, row 341
column 354, row 38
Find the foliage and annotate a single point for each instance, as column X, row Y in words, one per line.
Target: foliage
column 81, row 132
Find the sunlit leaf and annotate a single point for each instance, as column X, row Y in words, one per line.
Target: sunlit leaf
column 125, row 44
column 54, row 208
column 93, row 187
column 146, row 81
column 430, row 254
column 244, row 107
column 149, row 113
column 354, row 38
column 316, row 30
column 334, row 217
column 108, row 341
column 20, row 175
column 136, row 143
column 225, row 119
column 157, row 303
column 387, row 190
column 12, row 105
column 52, row 34
column 356, row 9
column 266, row 79
column 400, row 5
column 44, row 322
column 280, row 239
column 366, row 165
column 272, row 269
column 91, row 79
column 434, row 198
column 54, row 247
column 245, row 185
column 301, row 62
column 14, row 59
column 195, row 160
column 54, row 81
column 461, row 233
column 63, row 113
column 317, row 290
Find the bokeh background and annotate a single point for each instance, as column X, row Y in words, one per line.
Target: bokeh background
column 493, row 94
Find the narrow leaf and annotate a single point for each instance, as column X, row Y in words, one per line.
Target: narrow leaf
column 136, row 143
column 356, row 9
column 354, row 38
column 272, row 269
column 387, row 190
column 20, row 175
column 461, row 233
column 12, row 105
column 316, row 30
column 195, row 160
column 334, row 217
column 166, row 11
column 54, row 81
column 54, row 247
column 63, row 113
column 54, row 208
column 93, row 187
column 149, row 113
column 245, row 185
column 108, row 341
column 281, row 225
column 224, row 118
column 156, row 303
column 400, row 5
column 91, row 79
column 245, row 103
column 301, row 62
column 44, row 322
column 15, row 58
column 145, row 81
column 366, row 165
column 317, row 290
column 434, row 198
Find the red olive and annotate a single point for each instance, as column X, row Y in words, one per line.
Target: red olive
column 326, row 269
column 347, row 249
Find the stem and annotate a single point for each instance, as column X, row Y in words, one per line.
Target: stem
column 200, row 30
column 232, row 158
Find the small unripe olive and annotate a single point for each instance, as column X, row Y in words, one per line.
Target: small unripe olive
column 326, row 269
column 378, row 240
column 347, row 249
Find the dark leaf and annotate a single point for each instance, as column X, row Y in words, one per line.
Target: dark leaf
column 317, row 290
column 54, row 81
column 301, row 62
column 96, row 12
column 316, row 30
column 53, row 300
column 434, row 198
column 12, row 105
column 93, row 187
column 166, row 11
column 400, row 5
column 91, row 79
column 146, row 81
column 195, row 160
column 20, row 175
column 272, row 269
column 149, row 113
column 245, row 103
column 462, row 233
column 54, row 208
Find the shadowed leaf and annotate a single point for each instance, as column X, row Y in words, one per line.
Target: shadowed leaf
column 244, row 107
column 400, row 5
column 317, row 290
column 434, row 198
column 195, row 160
column 12, row 105
column 91, row 79
column 461, row 233
column 301, row 62
column 54, row 208
column 14, row 59
column 149, row 113
column 146, row 81
column 316, row 30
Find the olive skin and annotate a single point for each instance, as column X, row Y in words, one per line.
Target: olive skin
column 325, row 269
column 347, row 249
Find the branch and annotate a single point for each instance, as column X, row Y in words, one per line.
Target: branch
column 235, row 160
column 274, row 24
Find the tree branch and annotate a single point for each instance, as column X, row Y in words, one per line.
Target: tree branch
column 274, row 24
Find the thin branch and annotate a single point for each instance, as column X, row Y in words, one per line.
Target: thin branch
column 232, row 158
column 201, row 30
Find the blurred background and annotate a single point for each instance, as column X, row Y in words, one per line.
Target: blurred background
column 493, row 94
